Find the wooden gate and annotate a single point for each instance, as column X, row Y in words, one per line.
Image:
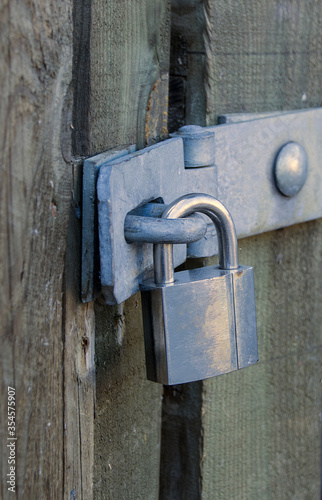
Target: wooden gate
column 81, row 77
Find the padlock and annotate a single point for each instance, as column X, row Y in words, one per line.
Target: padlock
column 199, row 323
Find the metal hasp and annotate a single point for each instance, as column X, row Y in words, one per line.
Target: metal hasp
column 155, row 173
column 146, row 225
column 199, row 323
column 264, row 168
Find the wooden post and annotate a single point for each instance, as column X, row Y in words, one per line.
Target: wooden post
column 77, row 78
column 43, row 324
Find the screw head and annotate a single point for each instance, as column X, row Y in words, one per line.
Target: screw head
column 291, row 169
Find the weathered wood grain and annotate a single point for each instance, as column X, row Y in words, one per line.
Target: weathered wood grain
column 42, row 321
column 266, row 56
column 262, row 56
column 79, row 367
column 131, row 46
column 129, row 64
column 260, row 429
column 261, row 426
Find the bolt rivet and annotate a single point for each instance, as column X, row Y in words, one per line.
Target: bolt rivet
column 291, row 169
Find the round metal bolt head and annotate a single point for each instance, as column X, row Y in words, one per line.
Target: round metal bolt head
column 291, row 168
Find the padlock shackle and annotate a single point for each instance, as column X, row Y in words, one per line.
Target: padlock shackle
column 225, row 229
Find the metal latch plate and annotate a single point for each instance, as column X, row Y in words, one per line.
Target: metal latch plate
column 242, row 179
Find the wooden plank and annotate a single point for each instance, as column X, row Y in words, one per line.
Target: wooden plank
column 261, row 426
column 43, row 323
column 260, row 431
column 129, row 64
column 263, row 56
column 79, row 367
column 34, row 199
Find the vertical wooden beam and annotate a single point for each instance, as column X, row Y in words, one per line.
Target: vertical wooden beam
column 129, row 65
column 46, row 334
column 79, row 367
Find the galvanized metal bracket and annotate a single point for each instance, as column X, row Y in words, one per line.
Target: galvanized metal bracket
column 234, row 161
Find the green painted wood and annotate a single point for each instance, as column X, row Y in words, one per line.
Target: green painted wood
column 261, row 426
column 131, row 63
column 260, row 429
column 128, row 80
column 262, row 56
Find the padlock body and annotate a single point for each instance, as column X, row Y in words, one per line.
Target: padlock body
column 245, row 316
column 190, row 326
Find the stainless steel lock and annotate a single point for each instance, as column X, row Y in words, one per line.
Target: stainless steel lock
column 202, row 322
